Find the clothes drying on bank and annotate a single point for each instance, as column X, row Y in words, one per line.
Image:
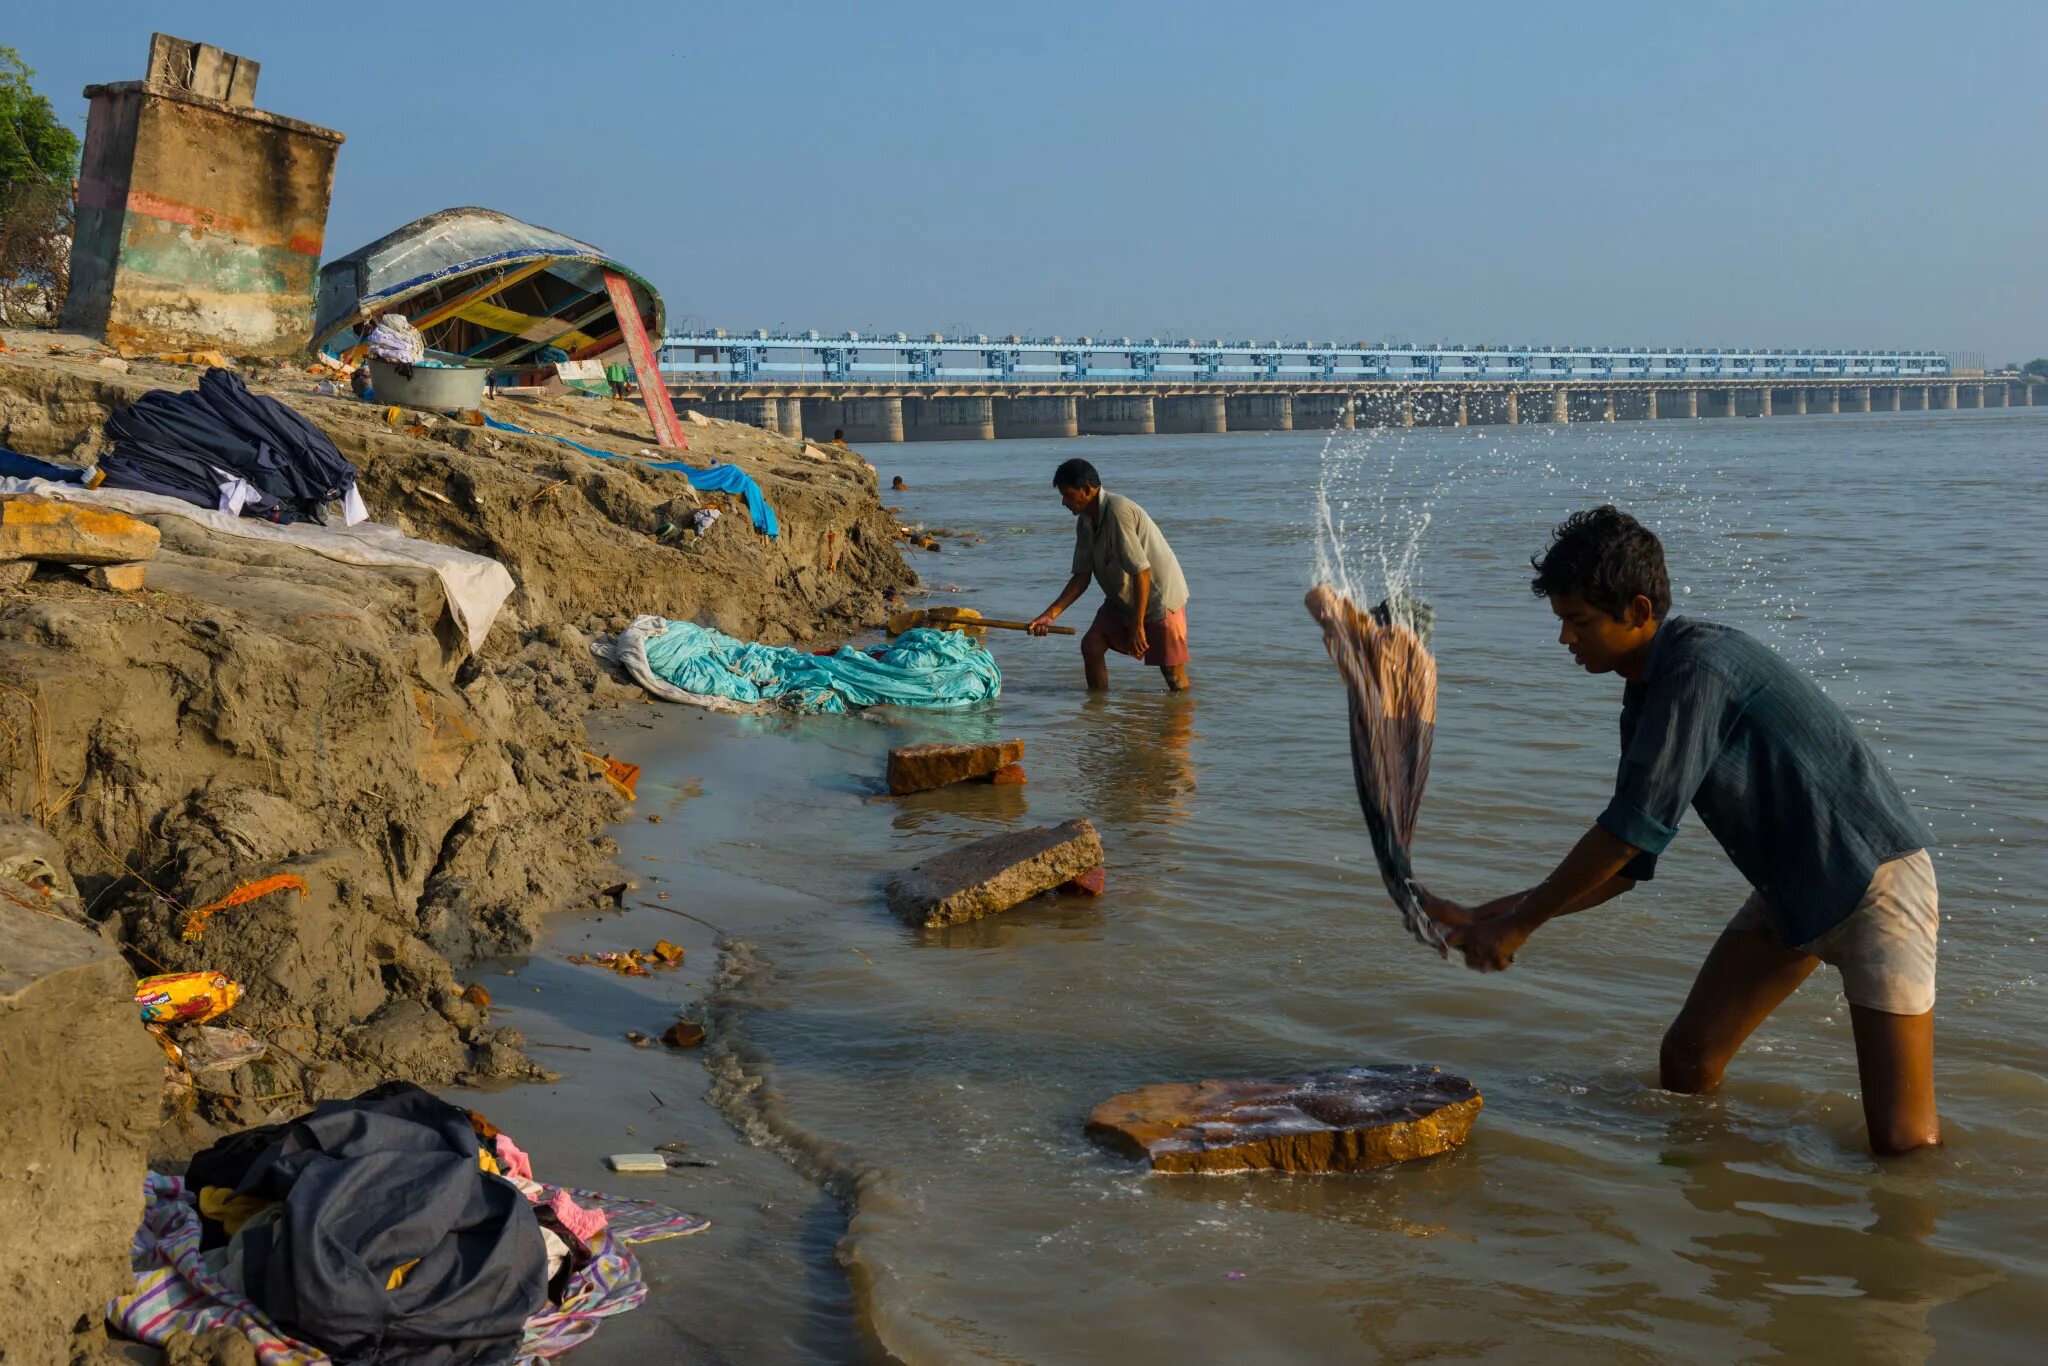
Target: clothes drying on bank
column 682, row 662
column 716, row 479
column 15, row 465
column 220, row 446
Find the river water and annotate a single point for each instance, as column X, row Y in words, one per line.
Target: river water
column 937, row 1082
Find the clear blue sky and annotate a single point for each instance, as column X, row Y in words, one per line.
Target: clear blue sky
column 1734, row 174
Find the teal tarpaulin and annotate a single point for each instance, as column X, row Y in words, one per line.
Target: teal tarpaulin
column 923, row 668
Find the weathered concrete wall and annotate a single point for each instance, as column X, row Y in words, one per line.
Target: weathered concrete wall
column 1322, row 412
column 871, row 419
column 1260, row 412
column 199, row 223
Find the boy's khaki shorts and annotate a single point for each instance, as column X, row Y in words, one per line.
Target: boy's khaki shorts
column 1885, row 949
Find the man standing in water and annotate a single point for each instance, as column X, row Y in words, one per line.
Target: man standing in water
column 1713, row 718
column 1144, row 608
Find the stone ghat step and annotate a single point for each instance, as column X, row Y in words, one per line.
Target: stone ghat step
column 920, row 768
column 993, row 874
column 53, row 532
column 1348, row 1119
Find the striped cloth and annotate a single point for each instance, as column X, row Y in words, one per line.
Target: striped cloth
column 174, row 1291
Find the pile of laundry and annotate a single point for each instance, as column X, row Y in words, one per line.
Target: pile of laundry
column 220, row 446
column 393, row 1228
column 398, row 341
column 681, row 662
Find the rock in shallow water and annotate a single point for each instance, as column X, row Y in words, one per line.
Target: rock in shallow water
column 993, row 874
column 1348, row 1119
column 920, row 768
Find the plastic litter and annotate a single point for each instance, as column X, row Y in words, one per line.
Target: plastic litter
column 186, row 997
column 637, row 1162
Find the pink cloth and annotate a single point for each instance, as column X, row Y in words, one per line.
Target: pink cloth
column 586, row 1224
column 512, row 1159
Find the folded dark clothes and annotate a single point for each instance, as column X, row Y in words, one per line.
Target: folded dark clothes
column 222, row 426
column 391, row 1244
column 15, row 465
column 174, row 472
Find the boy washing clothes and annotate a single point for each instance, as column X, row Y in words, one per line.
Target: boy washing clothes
column 1713, row 719
column 1144, row 609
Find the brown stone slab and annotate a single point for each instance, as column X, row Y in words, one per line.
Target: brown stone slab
column 117, row 578
column 1348, row 1119
column 53, row 532
column 993, row 874
column 920, row 768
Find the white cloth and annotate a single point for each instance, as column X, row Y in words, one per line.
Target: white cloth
column 629, row 651
column 475, row 586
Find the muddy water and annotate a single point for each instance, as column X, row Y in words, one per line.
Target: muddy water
column 937, row 1081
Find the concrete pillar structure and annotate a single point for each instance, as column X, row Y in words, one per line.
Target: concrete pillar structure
column 200, row 218
column 871, row 419
column 1893, row 398
column 1795, row 402
column 1464, row 413
column 789, row 416
column 1859, row 399
column 1691, row 403
column 1560, row 404
column 1190, row 413
column 1118, row 415
column 1607, row 408
column 1405, row 401
column 1650, row 405
column 949, row 418
column 1514, row 408
column 1049, row 415
column 1828, row 400
column 1945, row 396
column 822, row 417
column 1322, row 412
column 1969, row 395
column 1260, row 412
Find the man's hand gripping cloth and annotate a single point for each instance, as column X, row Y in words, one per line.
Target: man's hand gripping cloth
column 1391, row 681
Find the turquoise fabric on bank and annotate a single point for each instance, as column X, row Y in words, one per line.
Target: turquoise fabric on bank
column 923, row 668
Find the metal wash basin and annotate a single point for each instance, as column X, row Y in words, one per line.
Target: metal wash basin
column 442, row 390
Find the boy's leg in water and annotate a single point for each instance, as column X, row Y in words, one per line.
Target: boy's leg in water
column 1744, row 979
column 1895, row 1059
column 1176, row 676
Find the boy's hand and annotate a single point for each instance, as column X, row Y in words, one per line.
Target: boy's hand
column 1489, row 945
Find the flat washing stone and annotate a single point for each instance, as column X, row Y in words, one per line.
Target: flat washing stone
column 993, row 874
column 920, row 768
column 1348, row 1119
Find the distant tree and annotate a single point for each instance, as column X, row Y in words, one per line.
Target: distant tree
column 35, row 147
column 38, row 158
column 2037, row 368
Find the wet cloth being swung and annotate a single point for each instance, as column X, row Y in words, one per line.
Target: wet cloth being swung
column 1390, row 680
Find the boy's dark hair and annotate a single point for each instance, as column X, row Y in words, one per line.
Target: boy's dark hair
column 1606, row 557
column 1076, row 474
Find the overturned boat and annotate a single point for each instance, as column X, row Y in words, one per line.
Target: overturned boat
column 484, row 289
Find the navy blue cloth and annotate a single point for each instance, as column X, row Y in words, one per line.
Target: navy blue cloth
column 171, row 442
column 15, row 465
column 1775, row 769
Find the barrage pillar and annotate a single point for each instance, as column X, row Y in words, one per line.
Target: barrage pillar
column 1260, row 412
column 1560, row 404
column 1118, row 415
column 1036, row 416
column 789, row 416
column 199, row 216
column 1191, row 413
column 950, row 419
column 871, row 419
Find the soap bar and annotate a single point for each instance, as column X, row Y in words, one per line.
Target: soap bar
column 637, row 1162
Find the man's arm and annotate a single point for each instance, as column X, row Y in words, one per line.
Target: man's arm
column 1588, row 876
column 1141, row 599
column 1076, row 586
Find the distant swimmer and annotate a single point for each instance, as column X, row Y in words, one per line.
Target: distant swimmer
column 838, row 436
column 1144, row 610
column 1715, row 720
column 897, row 485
